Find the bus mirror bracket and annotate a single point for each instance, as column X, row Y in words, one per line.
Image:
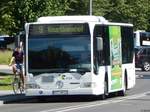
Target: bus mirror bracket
column 99, row 43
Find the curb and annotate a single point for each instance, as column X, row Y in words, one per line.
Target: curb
column 12, row 98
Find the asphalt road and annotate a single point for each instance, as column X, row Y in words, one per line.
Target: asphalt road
column 137, row 100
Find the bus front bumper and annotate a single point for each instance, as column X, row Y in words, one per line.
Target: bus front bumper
column 41, row 92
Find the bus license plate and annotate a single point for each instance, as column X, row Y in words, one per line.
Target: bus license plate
column 60, row 92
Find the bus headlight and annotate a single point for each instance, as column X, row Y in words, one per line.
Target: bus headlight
column 88, row 85
column 32, row 86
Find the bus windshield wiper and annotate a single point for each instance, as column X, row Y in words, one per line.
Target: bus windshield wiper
column 54, row 70
column 60, row 70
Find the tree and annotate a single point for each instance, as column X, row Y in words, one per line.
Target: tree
column 22, row 11
column 131, row 11
column 6, row 21
column 101, row 7
column 15, row 13
column 139, row 16
column 78, row 7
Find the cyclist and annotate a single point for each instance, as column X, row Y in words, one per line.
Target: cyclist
column 17, row 62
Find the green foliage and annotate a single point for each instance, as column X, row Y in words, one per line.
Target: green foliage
column 78, row 7
column 101, row 7
column 19, row 12
column 15, row 13
column 131, row 11
column 6, row 20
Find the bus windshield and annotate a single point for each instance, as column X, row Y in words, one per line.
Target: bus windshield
column 59, row 53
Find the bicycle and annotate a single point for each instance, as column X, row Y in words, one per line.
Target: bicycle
column 17, row 83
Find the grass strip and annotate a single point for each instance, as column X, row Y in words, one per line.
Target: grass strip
column 6, row 81
column 5, row 56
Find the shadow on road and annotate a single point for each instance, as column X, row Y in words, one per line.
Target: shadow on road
column 57, row 99
column 61, row 99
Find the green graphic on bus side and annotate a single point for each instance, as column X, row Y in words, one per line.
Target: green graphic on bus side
column 116, row 57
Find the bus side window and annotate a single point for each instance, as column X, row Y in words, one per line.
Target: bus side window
column 127, row 44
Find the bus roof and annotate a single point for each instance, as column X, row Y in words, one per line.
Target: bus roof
column 77, row 19
column 71, row 19
column 143, row 32
column 138, row 31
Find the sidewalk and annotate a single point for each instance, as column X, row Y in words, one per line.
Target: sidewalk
column 5, row 69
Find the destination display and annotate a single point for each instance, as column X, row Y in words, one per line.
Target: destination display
column 145, row 38
column 44, row 29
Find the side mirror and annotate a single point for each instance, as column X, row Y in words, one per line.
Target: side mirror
column 99, row 43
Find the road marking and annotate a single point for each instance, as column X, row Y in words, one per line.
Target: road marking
column 89, row 105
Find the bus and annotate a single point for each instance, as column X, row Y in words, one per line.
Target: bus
column 141, row 38
column 78, row 55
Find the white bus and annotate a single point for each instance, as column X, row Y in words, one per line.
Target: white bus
column 141, row 38
column 79, row 55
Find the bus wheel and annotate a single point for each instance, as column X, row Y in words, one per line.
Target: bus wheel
column 105, row 95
